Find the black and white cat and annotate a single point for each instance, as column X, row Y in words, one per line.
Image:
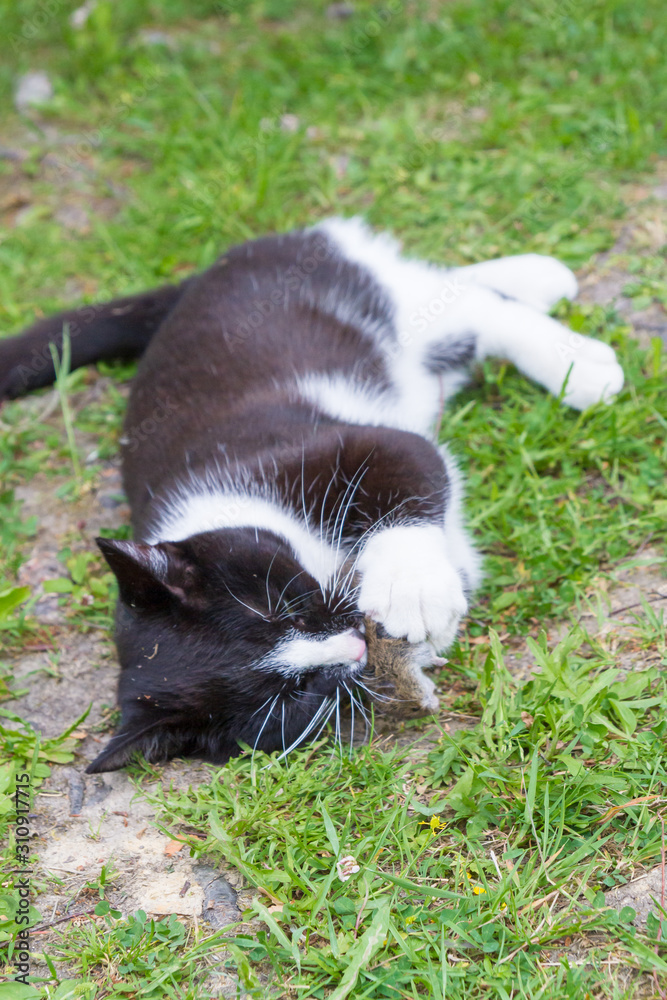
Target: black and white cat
column 282, row 421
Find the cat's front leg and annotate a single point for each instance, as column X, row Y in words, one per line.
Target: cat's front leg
column 398, row 495
column 409, row 584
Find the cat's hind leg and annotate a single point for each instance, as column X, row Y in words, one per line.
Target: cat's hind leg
column 446, row 319
column 584, row 369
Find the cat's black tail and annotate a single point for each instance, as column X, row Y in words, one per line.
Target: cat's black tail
column 118, row 329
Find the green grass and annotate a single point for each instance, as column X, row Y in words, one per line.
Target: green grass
column 472, row 129
column 563, row 496
column 476, row 863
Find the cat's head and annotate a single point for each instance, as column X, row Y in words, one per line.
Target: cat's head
column 224, row 638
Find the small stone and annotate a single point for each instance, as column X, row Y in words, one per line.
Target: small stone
column 339, row 11
column 77, row 791
column 79, row 17
column 289, row 123
column 148, row 36
column 340, row 163
column 220, row 898
column 73, row 217
column 33, row 88
column 163, row 896
column 642, row 894
column 111, row 501
column 15, row 155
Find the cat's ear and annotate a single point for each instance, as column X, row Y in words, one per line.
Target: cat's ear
column 150, row 575
column 159, row 741
column 118, row 752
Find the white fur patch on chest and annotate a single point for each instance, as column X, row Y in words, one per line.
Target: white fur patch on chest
column 212, row 510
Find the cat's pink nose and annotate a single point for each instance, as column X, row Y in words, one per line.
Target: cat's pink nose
column 359, row 646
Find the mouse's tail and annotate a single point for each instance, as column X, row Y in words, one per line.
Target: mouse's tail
column 121, row 328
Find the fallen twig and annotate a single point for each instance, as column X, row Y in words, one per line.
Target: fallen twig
column 42, row 928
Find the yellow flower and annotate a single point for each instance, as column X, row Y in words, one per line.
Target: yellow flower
column 435, row 824
column 478, row 889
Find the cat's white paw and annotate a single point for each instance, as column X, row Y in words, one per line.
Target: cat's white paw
column 595, row 377
column 532, row 278
column 593, row 383
column 547, row 281
column 409, row 585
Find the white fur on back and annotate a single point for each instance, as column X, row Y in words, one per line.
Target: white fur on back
column 355, row 403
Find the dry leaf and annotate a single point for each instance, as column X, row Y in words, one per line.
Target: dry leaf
column 173, row 847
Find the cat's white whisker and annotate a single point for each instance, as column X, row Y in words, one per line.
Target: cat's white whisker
column 374, row 694
column 309, row 728
column 359, row 704
column 296, row 604
column 351, row 718
column 254, row 610
column 337, row 734
column 257, row 710
column 268, row 574
column 289, row 582
column 268, row 716
column 344, row 504
column 323, row 502
column 326, row 720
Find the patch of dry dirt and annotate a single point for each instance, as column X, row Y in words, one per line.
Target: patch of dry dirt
column 609, row 616
column 643, row 232
column 76, row 191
